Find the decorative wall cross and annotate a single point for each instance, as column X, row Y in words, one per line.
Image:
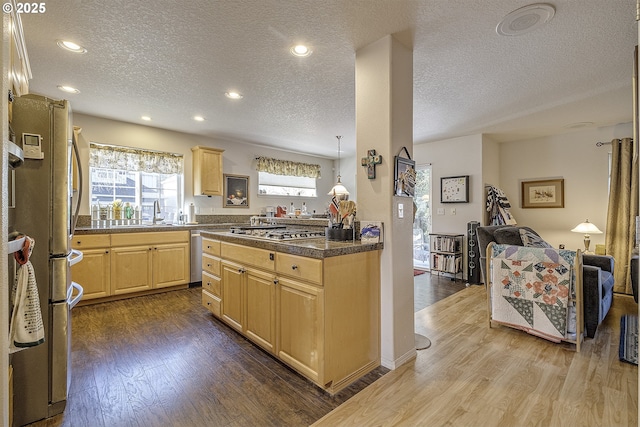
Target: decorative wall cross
column 370, row 162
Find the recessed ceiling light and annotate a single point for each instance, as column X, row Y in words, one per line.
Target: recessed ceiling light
column 68, row 89
column 71, row 46
column 146, row 118
column 525, row 19
column 198, row 118
column 233, row 95
column 301, row 50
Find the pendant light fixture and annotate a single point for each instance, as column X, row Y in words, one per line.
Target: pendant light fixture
column 339, row 190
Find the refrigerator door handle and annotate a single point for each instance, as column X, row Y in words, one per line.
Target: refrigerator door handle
column 72, row 301
column 75, row 257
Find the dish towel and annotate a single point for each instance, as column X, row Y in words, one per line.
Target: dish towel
column 26, row 328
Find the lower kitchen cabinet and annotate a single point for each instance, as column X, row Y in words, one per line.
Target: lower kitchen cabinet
column 171, row 265
column 94, row 271
column 127, row 263
column 261, row 308
column 319, row 316
column 301, row 327
column 232, row 305
column 131, row 269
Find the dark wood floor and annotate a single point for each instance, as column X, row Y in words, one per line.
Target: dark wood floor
column 163, row 360
column 430, row 288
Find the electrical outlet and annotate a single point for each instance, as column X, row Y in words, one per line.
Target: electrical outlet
column 453, row 211
column 400, row 210
column 440, row 211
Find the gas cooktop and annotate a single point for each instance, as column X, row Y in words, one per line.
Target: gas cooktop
column 276, row 232
column 293, row 234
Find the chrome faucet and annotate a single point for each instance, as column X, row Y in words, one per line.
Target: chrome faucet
column 156, row 211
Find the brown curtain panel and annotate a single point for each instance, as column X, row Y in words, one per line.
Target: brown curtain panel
column 622, row 211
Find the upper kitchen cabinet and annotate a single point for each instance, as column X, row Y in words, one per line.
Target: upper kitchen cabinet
column 19, row 68
column 207, row 171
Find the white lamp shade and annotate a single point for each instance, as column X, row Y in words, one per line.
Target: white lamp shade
column 338, row 190
column 586, row 228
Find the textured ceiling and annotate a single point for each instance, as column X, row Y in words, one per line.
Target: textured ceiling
column 172, row 60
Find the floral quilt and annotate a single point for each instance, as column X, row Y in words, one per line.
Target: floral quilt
column 531, row 289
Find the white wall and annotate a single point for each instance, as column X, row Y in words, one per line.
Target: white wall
column 454, row 157
column 584, row 168
column 238, row 158
column 573, row 157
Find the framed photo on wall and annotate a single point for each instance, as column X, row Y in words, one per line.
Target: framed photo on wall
column 546, row 193
column 404, row 175
column 454, row 189
column 236, row 191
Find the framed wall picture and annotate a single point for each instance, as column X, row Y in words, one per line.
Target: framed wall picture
column 236, row 191
column 454, row 189
column 546, row 193
column 405, row 175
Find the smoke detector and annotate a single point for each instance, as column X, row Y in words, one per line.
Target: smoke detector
column 525, row 19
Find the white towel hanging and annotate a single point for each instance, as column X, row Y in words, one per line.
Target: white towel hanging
column 26, row 328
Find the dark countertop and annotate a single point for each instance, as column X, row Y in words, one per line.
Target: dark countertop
column 312, row 248
column 150, row 228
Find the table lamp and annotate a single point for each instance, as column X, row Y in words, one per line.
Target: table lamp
column 587, row 228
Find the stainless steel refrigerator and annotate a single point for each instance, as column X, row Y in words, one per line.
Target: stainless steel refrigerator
column 43, row 204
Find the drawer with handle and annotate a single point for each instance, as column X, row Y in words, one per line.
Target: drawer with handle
column 91, row 241
column 211, row 284
column 211, row 264
column 211, row 247
column 211, row 303
column 304, row 268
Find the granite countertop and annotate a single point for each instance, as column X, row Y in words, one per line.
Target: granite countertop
column 150, row 228
column 312, row 248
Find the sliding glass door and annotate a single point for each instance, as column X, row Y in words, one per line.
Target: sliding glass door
column 422, row 222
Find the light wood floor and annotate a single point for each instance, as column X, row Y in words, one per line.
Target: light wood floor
column 476, row 376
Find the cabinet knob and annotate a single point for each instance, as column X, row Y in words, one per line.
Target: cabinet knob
column 294, row 267
column 106, row 252
column 242, row 270
column 276, row 281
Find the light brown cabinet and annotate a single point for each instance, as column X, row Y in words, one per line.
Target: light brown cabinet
column 207, row 171
column 94, row 271
column 211, row 283
column 301, row 326
column 319, row 316
column 124, row 263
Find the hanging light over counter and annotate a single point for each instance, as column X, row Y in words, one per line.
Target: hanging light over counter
column 339, row 189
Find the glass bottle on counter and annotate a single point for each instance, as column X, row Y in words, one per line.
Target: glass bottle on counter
column 292, row 209
column 303, row 210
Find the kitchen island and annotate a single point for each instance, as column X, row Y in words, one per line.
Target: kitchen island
column 311, row 303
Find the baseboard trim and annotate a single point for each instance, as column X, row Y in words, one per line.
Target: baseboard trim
column 394, row 364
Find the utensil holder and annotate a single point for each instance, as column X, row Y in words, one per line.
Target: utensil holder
column 338, row 234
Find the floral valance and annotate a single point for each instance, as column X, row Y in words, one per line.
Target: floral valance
column 286, row 167
column 134, row 159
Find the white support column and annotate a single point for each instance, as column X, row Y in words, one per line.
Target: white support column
column 384, row 122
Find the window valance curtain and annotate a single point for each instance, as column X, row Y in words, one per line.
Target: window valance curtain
column 134, row 159
column 286, row 167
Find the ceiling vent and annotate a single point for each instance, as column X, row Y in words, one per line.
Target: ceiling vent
column 525, row 19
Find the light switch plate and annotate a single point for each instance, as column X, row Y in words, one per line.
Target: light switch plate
column 400, row 210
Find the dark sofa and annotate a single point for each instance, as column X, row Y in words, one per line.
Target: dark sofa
column 597, row 272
